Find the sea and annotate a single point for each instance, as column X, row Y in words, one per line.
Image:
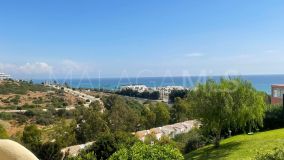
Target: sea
column 260, row 82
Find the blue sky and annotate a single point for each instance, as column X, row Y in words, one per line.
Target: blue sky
column 112, row 38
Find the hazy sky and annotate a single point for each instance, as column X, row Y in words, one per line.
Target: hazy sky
column 111, row 38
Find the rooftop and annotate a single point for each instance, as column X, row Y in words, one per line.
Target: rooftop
column 277, row 85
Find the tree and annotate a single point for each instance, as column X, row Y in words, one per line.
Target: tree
column 3, row 133
column 32, row 137
column 231, row 104
column 48, row 151
column 117, row 117
column 90, row 124
column 142, row 151
column 107, row 144
column 148, row 117
column 162, row 114
column 64, row 134
column 180, row 111
column 177, row 94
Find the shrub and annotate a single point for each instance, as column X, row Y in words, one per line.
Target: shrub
column 3, row 133
column 48, row 151
column 191, row 141
column 6, row 116
column 276, row 154
column 177, row 93
column 31, row 137
column 142, row 151
column 274, row 117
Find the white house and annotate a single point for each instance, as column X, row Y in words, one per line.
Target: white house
column 138, row 88
column 4, row 76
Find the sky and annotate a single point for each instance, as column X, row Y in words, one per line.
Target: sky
column 151, row 38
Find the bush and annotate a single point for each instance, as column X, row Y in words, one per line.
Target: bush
column 177, row 93
column 142, row 151
column 6, row 116
column 274, row 117
column 48, row 151
column 15, row 100
column 44, row 120
column 107, row 144
column 191, row 141
column 277, row 154
column 21, row 118
column 3, row 133
column 31, row 137
column 131, row 93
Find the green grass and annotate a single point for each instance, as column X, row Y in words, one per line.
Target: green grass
column 242, row 147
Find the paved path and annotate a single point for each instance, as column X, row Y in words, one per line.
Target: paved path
column 24, row 111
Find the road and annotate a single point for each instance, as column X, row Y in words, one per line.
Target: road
column 87, row 98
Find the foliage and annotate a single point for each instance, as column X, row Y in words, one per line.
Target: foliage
column 274, row 117
column 15, row 100
column 3, row 133
column 190, row 141
column 180, row 111
column 277, row 154
column 90, row 124
column 31, row 137
column 64, row 134
column 146, row 94
column 177, row 94
column 44, row 118
column 231, row 104
column 148, row 117
column 6, row 116
column 162, row 114
column 21, row 87
column 117, row 119
column 147, row 152
column 49, row 151
column 107, row 144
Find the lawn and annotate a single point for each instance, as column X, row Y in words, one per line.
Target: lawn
column 241, row 147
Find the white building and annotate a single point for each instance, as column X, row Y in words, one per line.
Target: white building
column 165, row 91
column 139, row 88
column 4, row 76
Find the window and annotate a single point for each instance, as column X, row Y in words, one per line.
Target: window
column 276, row 93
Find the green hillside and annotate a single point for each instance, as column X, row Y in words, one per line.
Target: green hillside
column 241, row 147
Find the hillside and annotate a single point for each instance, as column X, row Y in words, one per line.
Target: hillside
column 241, row 147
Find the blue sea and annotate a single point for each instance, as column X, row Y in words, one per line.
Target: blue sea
column 260, row 82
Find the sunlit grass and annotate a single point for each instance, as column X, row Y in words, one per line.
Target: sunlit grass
column 241, row 147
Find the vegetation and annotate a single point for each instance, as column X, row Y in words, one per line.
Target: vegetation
column 21, row 87
column 107, row 144
column 3, row 133
column 48, row 151
column 241, row 146
column 274, row 117
column 146, row 94
column 32, row 138
column 178, row 94
column 277, row 154
column 191, row 141
column 228, row 105
column 181, row 111
column 142, row 151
